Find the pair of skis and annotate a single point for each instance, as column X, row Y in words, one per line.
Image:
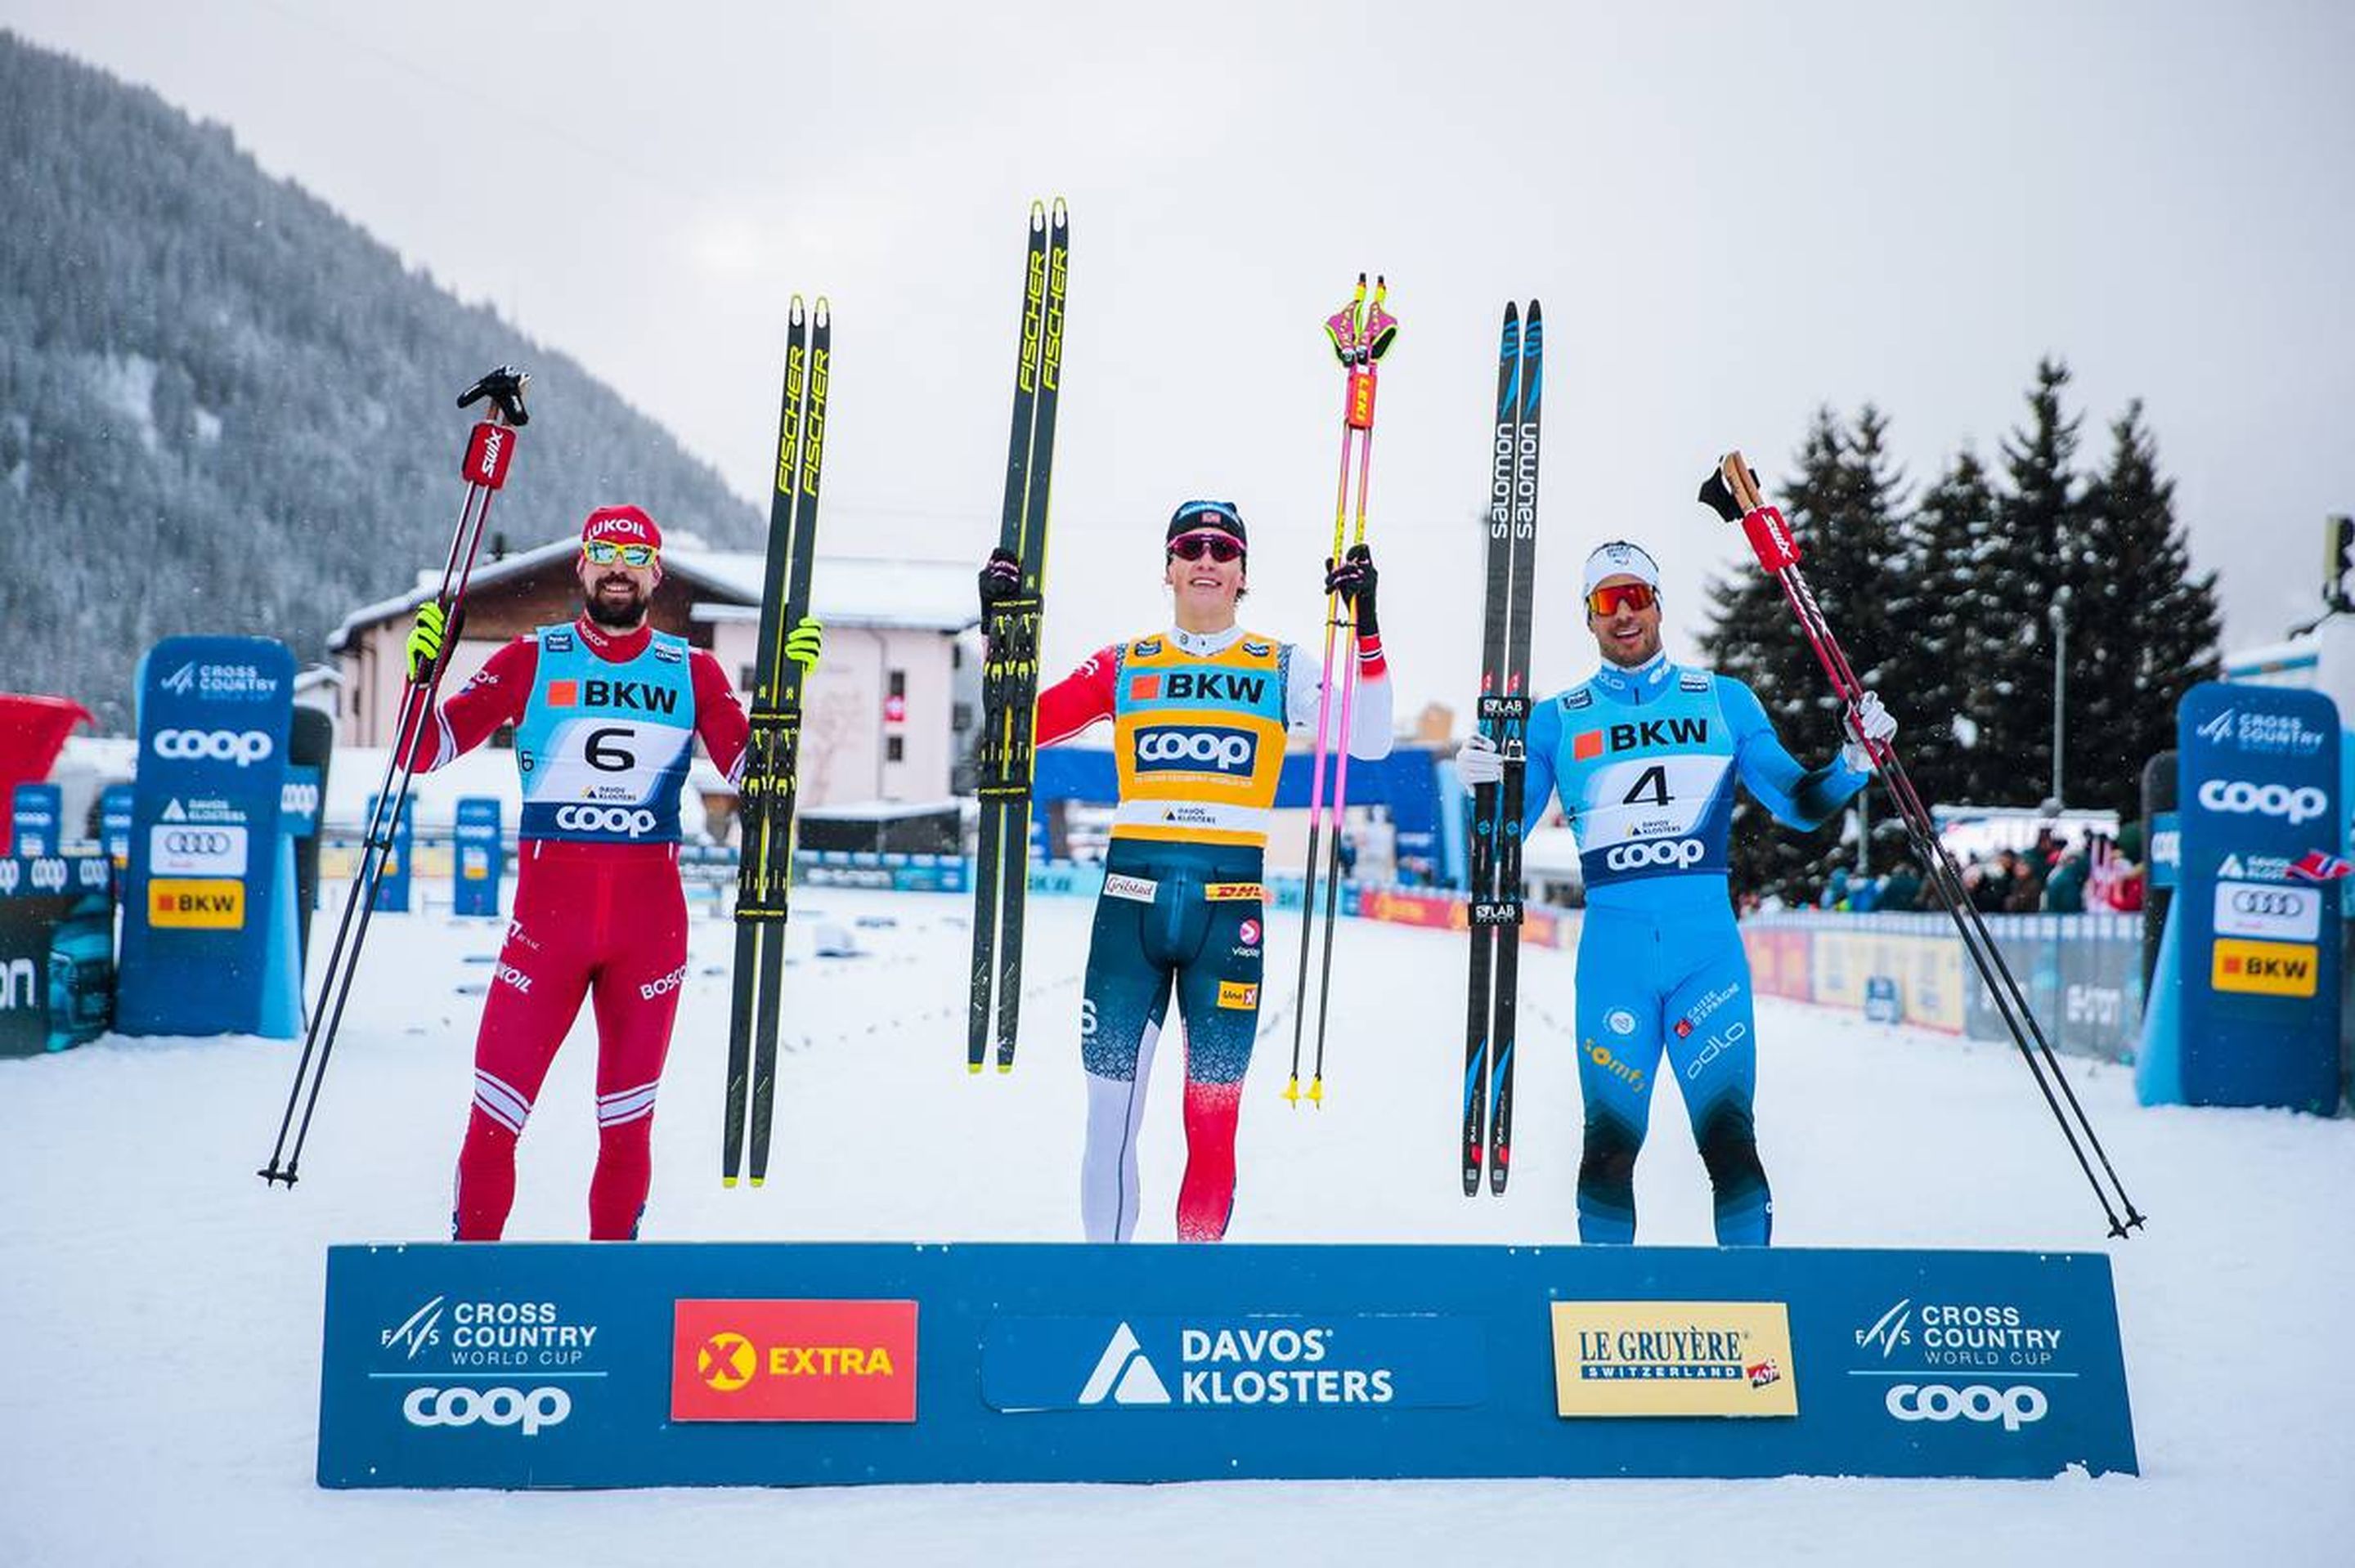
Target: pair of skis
column 1360, row 334
column 764, row 874
column 490, row 448
column 1009, row 679
column 1503, row 714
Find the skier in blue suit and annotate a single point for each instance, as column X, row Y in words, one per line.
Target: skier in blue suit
column 1645, row 754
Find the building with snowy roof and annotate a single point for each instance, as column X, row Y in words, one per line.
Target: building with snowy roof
column 885, row 718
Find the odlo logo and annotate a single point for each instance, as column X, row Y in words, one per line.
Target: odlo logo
column 1202, row 750
column 541, row 1407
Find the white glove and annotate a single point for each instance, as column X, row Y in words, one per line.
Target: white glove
column 1479, row 762
column 1869, row 721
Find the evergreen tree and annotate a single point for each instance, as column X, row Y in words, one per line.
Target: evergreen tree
column 2034, row 552
column 1844, row 509
column 2142, row 629
column 1944, row 691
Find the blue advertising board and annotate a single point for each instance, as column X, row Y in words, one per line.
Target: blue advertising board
column 57, row 951
column 479, row 857
column 209, row 932
column 695, row 1365
column 298, row 803
column 392, row 878
column 2251, row 949
column 40, row 816
column 114, row 822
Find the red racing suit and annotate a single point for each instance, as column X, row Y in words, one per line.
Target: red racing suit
column 592, row 917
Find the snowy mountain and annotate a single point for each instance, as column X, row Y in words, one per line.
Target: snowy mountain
column 225, row 407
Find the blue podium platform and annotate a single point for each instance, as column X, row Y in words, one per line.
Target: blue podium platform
column 530, row 1365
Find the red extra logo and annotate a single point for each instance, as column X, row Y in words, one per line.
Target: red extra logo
column 793, row 1360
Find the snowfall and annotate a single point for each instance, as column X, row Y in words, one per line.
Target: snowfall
column 160, row 1315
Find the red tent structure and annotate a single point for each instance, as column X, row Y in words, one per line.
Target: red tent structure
column 32, row 730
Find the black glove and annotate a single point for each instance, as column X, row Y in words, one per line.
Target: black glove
column 1353, row 579
column 1001, row 579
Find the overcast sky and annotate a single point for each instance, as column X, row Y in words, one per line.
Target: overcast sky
column 1732, row 214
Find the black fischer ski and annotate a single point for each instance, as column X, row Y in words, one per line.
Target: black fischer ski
column 1503, row 716
column 1010, row 682
column 764, row 877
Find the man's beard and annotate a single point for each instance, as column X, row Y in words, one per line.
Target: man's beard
column 617, row 616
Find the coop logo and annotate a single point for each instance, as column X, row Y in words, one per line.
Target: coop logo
column 2238, row 797
column 793, row 1360
column 1215, row 750
column 242, row 747
column 533, row 1412
column 47, row 876
column 606, row 819
column 2017, row 1407
column 1674, row 853
column 664, row 986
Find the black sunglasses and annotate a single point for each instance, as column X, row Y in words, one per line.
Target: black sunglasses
column 1194, row 546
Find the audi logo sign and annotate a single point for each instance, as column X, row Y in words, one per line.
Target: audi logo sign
column 242, row 747
column 2276, row 910
column 430, row 1406
column 210, row 849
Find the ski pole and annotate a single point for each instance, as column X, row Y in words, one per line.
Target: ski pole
column 1342, row 328
column 490, row 447
column 1733, row 493
column 1374, row 339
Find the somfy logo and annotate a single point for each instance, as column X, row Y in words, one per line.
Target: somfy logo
column 1124, row 1376
column 606, row 819
column 2240, row 798
column 242, row 747
column 2015, row 1406
column 492, row 1408
column 1677, row 853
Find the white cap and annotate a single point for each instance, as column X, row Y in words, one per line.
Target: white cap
column 1620, row 558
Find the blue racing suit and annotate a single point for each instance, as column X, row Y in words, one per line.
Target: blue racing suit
column 1644, row 762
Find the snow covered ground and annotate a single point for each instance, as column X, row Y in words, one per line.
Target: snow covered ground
column 159, row 1308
